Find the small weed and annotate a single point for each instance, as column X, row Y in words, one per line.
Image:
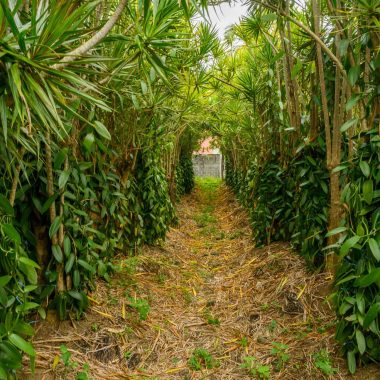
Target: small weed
column 255, row 368
column 279, row 350
column 264, row 307
column 326, row 327
column 140, row 305
column 243, row 342
column 201, row 358
column 204, row 219
column 68, row 363
column 129, row 265
column 213, row 321
column 161, row 278
column 322, row 361
column 128, row 331
column 127, row 354
column 236, row 234
column 272, row 325
column 66, row 356
column 95, row 327
column 83, row 375
column 209, row 231
column 176, row 360
column 220, row 236
column 188, row 297
column 113, row 301
column 301, row 335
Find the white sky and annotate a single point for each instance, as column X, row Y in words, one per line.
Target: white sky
column 225, row 14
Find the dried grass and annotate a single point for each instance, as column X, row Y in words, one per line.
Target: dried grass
column 199, row 276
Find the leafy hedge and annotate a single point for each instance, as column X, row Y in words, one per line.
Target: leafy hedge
column 104, row 213
column 286, row 203
column 358, row 279
column 292, row 204
column 184, row 176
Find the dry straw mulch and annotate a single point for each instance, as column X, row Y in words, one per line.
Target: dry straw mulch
column 207, row 287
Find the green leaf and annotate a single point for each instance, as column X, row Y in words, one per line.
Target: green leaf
column 335, row 231
column 4, row 280
column 57, row 252
column 23, row 328
column 30, row 288
column 360, row 340
column 74, row 294
column 3, row 118
column 343, row 46
column 10, row 19
column 63, row 178
column 339, row 168
column 28, row 262
column 3, row 297
column 69, row 263
column 374, row 248
column 351, row 361
column 6, row 206
column 48, row 203
column 348, row 244
column 352, row 102
column 88, row 141
column 76, row 278
column 86, row 265
column 102, row 130
column 60, row 158
column 348, row 124
column 135, row 101
column 365, row 168
column 12, row 233
column 296, row 69
column 353, row 75
column 66, row 245
column 368, row 191
column 346, row 279
column 54, row 226
column 144, row 87
column 26, row 306
column 269, row 17
column 371, row 314
column 22, row 344
column 42, row 312
column 368, row 279
column 3, row 373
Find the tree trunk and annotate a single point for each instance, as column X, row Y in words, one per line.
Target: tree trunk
column 95, row 39
column 53, row 213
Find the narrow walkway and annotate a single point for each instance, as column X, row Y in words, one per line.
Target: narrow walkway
column 205, row 305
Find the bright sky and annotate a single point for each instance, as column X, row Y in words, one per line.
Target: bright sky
column 225, row 14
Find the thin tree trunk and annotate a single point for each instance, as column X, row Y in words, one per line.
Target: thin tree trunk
column 16, row 177
column 94, row 40
column 335, row 211
column 331, row 147
column 313, row 110
column 321, row 76
column 53, row 213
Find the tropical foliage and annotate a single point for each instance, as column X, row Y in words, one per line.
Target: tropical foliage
column 102, row 104
column 295, row 103
column 94, row 101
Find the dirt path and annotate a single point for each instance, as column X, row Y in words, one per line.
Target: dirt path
column 205, row 298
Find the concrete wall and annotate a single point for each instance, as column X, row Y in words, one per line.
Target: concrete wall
column 208, row 165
